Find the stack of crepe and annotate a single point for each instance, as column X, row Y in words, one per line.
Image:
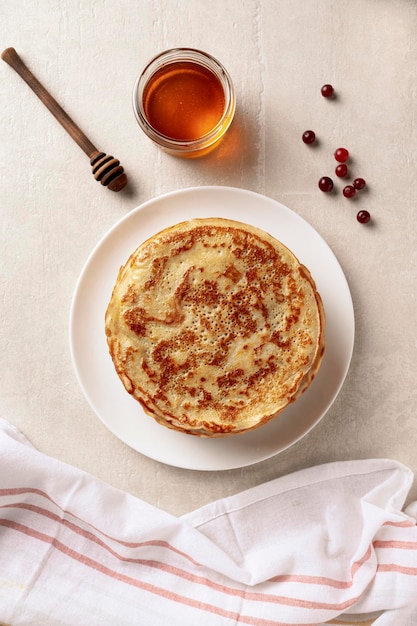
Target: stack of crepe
column 215, row 327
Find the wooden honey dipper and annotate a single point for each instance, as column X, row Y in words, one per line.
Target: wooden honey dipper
column 106, row 169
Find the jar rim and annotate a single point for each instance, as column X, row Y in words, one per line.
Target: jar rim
column 175, row 55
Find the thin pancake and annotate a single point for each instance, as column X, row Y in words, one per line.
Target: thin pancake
column 214, row 327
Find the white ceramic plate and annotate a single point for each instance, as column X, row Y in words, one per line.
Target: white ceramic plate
column 123, row 415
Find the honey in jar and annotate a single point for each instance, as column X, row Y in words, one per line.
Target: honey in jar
column 184, row 101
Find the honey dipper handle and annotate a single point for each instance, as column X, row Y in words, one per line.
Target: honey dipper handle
column 13, row 59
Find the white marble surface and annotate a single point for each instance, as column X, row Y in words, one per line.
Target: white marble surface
column 279, row 53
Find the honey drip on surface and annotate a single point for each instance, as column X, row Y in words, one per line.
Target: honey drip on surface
column 184, row 101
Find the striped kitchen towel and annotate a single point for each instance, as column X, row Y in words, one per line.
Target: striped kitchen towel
column 329, row 544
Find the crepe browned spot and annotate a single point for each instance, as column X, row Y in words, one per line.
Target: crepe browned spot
column 214, row 326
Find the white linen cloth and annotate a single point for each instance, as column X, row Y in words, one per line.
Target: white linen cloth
column 323, row 543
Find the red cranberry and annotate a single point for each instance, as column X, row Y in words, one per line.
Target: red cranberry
column 341, row 170
column 325, row 184
column 341, row 155
column 359, row 183
column 309, row 136
column 349, row 191
column 327, row 91
column 363, row 217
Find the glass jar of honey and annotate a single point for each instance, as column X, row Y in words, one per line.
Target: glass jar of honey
column 184, row 101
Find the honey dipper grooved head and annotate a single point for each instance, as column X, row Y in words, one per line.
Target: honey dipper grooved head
column 108, row 171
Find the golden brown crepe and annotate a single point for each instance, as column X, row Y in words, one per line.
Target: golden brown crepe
column 214, row 326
